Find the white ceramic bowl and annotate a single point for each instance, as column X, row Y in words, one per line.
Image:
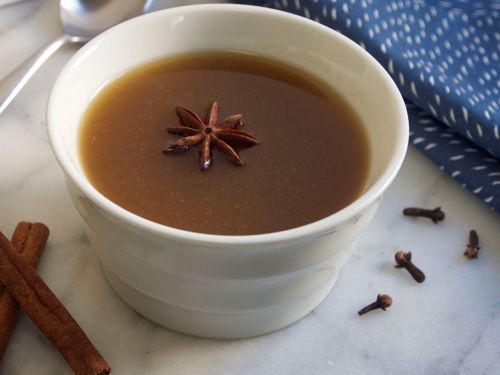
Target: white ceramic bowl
column 212, row 285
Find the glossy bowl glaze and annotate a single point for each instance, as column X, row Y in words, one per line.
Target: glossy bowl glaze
column 212, row 285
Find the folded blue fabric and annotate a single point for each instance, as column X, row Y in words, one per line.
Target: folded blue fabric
column 445, row 58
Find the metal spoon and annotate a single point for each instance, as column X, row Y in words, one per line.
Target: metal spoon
column 81, row 20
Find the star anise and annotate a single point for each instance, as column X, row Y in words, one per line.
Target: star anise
column 223, row 135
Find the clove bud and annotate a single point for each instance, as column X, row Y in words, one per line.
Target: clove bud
column 383, row 302
column 473, row 246
column 403, row 260
column 435, row 215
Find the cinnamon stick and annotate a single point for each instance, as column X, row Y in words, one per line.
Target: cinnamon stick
column 29, row 240
column 47, row 312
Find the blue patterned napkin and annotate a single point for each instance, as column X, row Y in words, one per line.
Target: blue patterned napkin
column 445, row 58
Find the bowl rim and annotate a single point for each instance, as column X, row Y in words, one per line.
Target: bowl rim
column 319, row 227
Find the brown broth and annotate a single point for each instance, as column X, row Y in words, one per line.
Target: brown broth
column 313, row 159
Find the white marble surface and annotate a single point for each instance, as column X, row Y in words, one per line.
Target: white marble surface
column 448, row 325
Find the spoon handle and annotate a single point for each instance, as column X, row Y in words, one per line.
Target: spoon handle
column 15, row 81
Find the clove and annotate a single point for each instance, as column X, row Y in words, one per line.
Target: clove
column 383, row 302
column 473, row 246
column 403, row 260
column 435, row 215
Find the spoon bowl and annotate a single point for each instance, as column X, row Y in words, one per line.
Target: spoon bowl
column 89, row 18
column 81, row 20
